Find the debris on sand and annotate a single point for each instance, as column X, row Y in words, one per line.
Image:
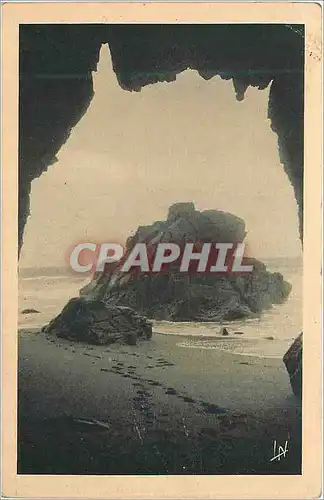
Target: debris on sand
column 193, row 296
column 92, row 422
column 294, row 362
column 94, row 322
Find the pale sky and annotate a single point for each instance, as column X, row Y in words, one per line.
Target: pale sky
column 135, row 153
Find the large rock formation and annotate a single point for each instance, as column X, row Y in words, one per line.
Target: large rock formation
column 178, row 296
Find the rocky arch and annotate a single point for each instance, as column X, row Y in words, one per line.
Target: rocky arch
column 56, row 64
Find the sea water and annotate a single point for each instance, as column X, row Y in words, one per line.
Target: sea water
column 47, row 290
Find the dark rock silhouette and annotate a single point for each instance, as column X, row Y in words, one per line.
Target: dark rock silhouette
column 92, row 321
column 293, row 361
column 179, row 296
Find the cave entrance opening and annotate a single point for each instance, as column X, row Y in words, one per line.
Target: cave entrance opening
column 133, row 154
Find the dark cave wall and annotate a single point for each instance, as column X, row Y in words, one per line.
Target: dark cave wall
column 56, row 89
column 55, row 64
column 286, row 112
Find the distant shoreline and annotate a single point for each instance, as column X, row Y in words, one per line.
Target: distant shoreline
column 60, row 271
column 48, row 272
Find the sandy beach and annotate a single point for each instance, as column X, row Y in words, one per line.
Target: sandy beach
column 187, row 401
column 153, row 408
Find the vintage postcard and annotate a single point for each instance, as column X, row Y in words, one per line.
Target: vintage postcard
column 161, row 250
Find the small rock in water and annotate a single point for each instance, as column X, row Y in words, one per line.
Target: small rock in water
column 238, row 333
column 269, row 338
column 30, row 311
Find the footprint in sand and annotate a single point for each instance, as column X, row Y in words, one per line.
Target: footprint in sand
column 144, row 393
column 152, row 382
column 138, row 398
column 164, row 364
column 213, row 409
column 187, row 399
column 171, row 391
column 91, row 355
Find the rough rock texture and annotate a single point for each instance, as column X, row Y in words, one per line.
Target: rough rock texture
column 178, row 296
column 293, row 361
column 186, row 224
column 97, row 323
column 56, row 61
